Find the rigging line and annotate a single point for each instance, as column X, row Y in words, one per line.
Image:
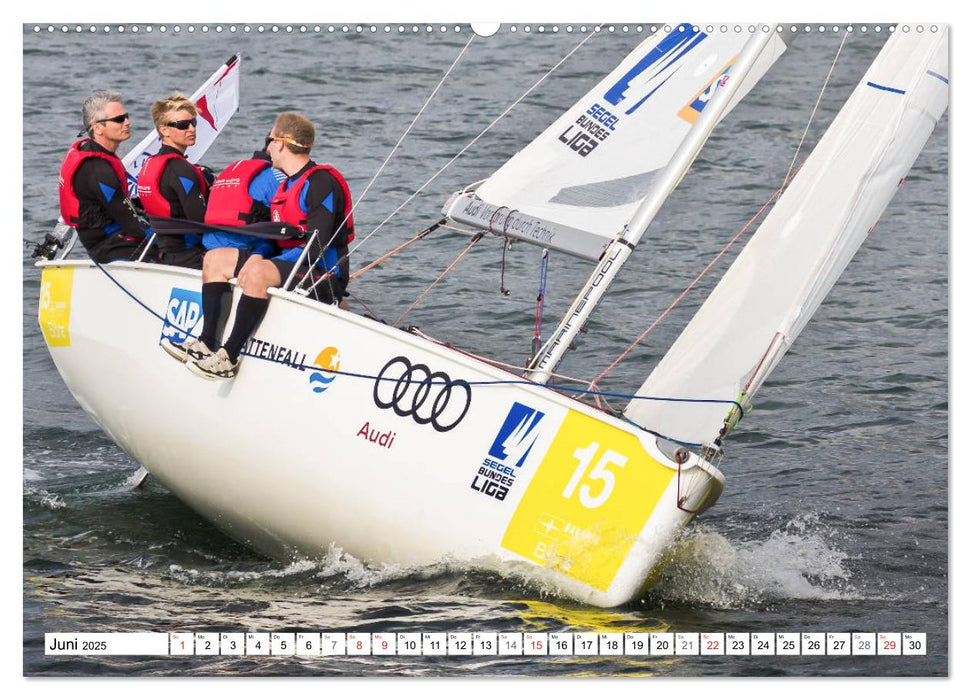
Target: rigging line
column 407, row 131
column 481, row 134
column 367, row 308
column 134, row 298
column 507, row 366
column 475, row 239
column 687, row 289
column 428, row 382
column 401, row 247
column 819, row 99
column 540, row 301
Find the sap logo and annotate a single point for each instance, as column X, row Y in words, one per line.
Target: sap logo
column 328, row 359
column 517, row 435
column 650, row 73
column 182, row 314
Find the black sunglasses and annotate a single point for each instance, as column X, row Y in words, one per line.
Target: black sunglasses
column 182, row 124
column 120, row 119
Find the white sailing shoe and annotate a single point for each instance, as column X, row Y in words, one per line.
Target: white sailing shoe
column 216, row 366
column 191, row 349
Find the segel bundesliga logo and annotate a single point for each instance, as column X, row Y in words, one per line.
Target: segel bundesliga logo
column 509, row 451
column 635, row 87
column 182, row 314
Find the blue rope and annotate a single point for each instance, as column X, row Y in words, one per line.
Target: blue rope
column 132, row 296
column 540, row 301
column 510, row 382
column 495, row 382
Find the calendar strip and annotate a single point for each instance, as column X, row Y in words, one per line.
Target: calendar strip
column 302, row 644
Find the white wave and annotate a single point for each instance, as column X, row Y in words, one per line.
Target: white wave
column 45, row 498
column 195, row 576
column 795, row 562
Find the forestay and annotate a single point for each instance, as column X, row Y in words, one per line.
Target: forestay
column 794, row 258
column 575, row 186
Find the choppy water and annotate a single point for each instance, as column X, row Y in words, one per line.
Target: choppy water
column 835, row 514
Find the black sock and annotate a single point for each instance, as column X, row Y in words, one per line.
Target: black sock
column 249, row 313
column 213, row 317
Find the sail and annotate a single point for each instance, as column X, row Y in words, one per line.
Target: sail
column 575, row 186
column 794, row 258
column 216, row 101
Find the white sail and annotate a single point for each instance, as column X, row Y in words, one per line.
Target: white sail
column 620, row 249
column 794, row 258
column 575, row 186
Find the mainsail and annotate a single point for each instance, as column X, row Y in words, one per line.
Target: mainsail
column 794, row 258
column 576, row 185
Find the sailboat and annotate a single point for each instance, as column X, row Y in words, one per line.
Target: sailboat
column 411, row 452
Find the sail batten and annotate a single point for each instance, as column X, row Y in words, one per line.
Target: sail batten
column 795, row 257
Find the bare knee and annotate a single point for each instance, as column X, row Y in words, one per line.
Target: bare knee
column 219, row 264
column 257, row 276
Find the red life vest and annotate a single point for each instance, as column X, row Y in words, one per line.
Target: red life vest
column 286, row 206
column 149, row 177
column 70, row 205
column 230, row 203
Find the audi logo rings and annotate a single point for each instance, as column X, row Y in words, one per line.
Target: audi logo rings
column 428, row 397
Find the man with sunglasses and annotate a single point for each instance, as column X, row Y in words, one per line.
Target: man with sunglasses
column 93, row 184
column 314, row 198
column 170, row 186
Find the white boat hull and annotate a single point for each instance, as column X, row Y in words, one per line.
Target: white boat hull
column 291, row 458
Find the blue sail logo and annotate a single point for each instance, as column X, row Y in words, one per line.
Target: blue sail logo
column 517, row 435
column 329, row 360
column 650, row 73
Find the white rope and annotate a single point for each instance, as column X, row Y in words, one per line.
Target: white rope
column 469, row 145
column 819, row 99
column 421, row 111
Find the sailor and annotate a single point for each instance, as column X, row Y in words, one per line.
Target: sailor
column 93, row 187
column 241, row 194
column 170, row 186
column 314, row 198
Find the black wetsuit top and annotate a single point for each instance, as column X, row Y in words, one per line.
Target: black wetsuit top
column 184, row 204
column 323, row 219
column 106, row 217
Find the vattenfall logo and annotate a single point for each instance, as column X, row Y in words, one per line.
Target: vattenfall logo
column 328, row 359
column 182, row 314
column 517, row 435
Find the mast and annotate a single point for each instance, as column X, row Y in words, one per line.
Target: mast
column 623, row 245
